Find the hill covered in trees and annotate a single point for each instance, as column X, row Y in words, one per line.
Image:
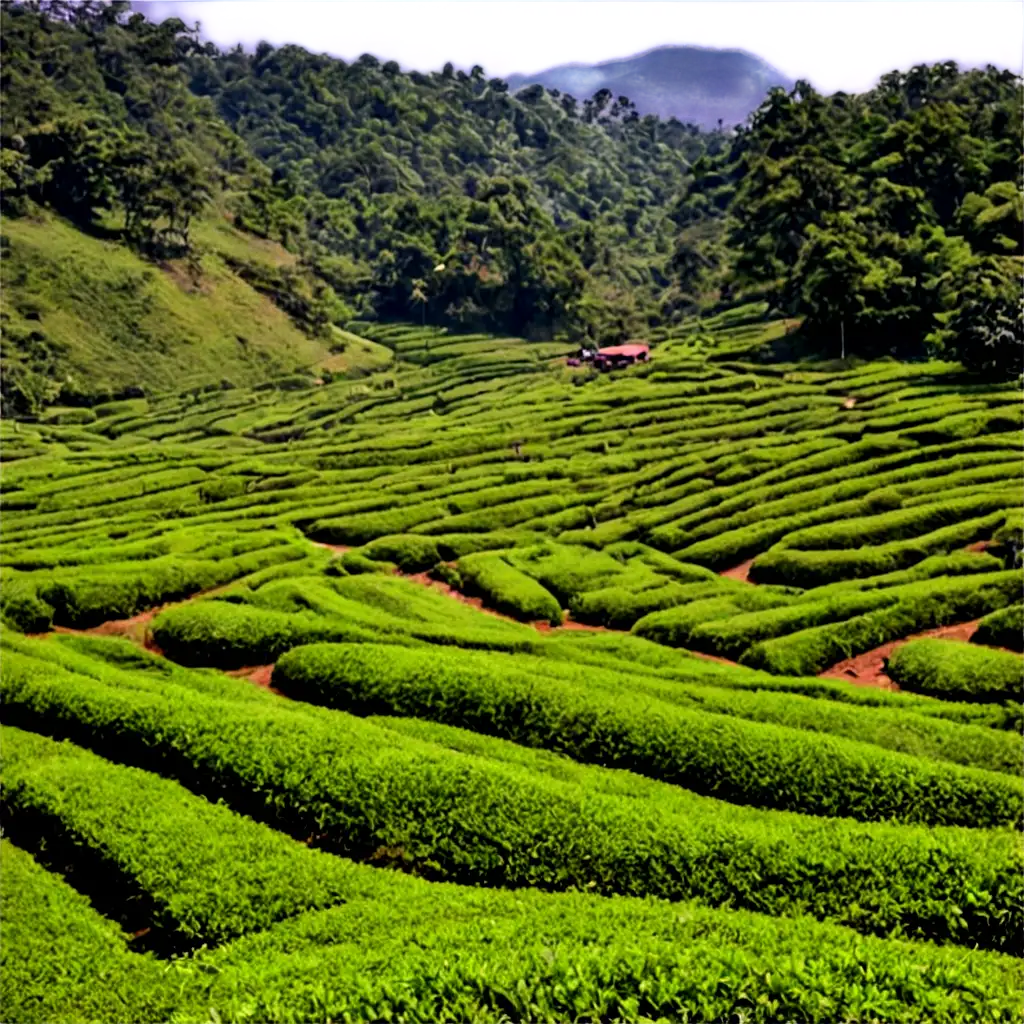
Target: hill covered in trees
column 889, row 221
column 695, row 84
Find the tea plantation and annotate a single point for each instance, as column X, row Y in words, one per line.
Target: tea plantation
column 485, row 689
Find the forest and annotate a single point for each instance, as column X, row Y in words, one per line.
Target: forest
column 887, row 223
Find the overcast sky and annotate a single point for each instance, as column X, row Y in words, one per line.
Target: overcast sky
column 836, row 44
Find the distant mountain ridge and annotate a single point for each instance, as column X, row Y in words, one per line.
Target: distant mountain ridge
column 692, row 83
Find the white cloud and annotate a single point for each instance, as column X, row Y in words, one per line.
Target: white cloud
column 845, row 44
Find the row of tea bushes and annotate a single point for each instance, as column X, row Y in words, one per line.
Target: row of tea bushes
column 957, row 671
column 746, row 762
column 366, row 791
column 421, row 953
column 924, row 605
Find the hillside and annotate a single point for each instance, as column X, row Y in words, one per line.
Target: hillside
column 366, row 657
column 88, row 319
column 890, row 221
column 503, row 625
column 693, row 84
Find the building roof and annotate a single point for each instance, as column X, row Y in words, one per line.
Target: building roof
column 625, row 350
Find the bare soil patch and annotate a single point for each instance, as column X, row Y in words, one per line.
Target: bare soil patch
column 338, row 549
column 739, row 572
column 258, row 675
column 868, row 669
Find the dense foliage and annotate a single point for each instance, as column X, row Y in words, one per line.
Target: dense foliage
column 888, row 221
column 207, row 748
column 564, row 783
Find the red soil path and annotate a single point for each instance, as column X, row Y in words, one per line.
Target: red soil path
column 739, row 572
column 868, row 669
column 258, row 675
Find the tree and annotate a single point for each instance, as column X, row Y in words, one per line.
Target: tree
column 986, row 331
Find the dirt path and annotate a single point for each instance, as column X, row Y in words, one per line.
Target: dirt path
column 135, row 629
column 258, row 675
column 868, row 669
column 739, row 572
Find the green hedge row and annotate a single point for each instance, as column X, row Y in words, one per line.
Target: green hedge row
column 564, row 570
column 63, row 961
column 902, row 524
column 731, row 546
column 506, row 589
column 674, row 625
column 366, row 526
column 889, row 477
column 924, row 605
column 372, row 794
column 717, row 964
column 797, row 568
column 1004, row 628
column 193, row 870
column 741, row 761
column 729, row 638
column 88, row 596
column 228, row 636
column 354, row 563
column 496, row 517
column 959, row 563
column 957, row 671
column 411, row 553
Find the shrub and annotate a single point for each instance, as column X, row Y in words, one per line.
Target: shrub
column 367, row 792
column 674, row 626
column 230, row 635
column 564, row 570
column 745, row 762
column 921, row 606
column 447, row 574
column 732, row 546
column 95, row 595
column 367, row 526
column 26, row 612
column 507, row 589
column 355, row 562
column 1004, row 628
column 56, row 945
column 580, row 960
column 198, row 872
column 896, row 525
column 798, row 568
column 222, row 490
column 411, row 553
column 729, row 638
column 957, row 671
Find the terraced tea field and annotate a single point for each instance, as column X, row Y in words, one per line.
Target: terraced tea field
column 484, row 689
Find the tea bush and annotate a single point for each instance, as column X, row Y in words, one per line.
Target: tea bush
column 957, row 671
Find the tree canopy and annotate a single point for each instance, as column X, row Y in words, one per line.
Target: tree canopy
column 892, row 218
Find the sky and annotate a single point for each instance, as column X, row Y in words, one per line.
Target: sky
column 835, row 44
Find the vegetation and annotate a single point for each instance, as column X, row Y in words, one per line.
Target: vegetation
column 944, row 668
column 332, row 565
column 1004, row 628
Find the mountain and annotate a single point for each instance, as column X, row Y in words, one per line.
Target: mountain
column 692, row 83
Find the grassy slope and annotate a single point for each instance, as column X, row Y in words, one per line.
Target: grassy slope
column 119, row 321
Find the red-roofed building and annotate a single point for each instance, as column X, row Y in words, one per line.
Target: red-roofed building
column 613, row 357
column 635, row 353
